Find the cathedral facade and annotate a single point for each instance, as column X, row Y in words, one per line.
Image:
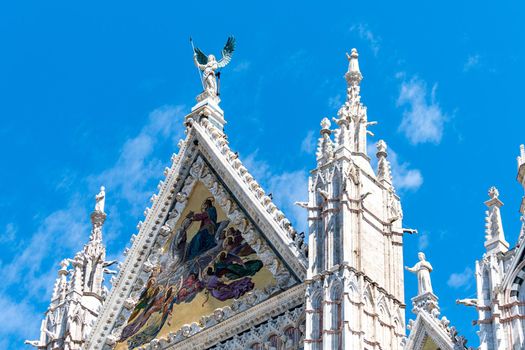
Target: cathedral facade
column 216, row 265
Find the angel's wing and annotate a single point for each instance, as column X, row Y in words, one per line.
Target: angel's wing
column 227, row 52
column 201, row 56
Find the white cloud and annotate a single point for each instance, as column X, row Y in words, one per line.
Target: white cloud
column 335, row 102
column 423, row 241
column 9, row 233
column 366, row 34
column 461, row 279
column 33, row 269
column 19, row 318
column 308, row 143
column 242, row 66
column 423, row 120
column 404, row 177
column 286, row 188
column 129, row 178
column 472, row 62
column 408, row 179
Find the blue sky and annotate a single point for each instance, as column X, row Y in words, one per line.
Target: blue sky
column 94, row 93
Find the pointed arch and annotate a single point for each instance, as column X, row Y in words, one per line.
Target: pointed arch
column 368, row 299
column 397, row 325
column 293, row 337
column 486, row 285
column 317, row 299
column 383, row 310
column 320, row 232
column 314, row 318
column 384, row 325
column 336, row 182
column 336, row 289
column 399, row 316
column 369, row 325
column 352, row 287
column 275, row 342
column 319, row 180
column 335, row 221
column 334, row 311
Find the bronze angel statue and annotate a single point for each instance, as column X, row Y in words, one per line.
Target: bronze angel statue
column 209, row 64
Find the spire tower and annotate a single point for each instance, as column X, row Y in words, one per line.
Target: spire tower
column 352, row 117
column 76, row 301
column 354, row 293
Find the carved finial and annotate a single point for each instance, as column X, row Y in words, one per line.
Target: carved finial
column 493, row 192
column 63, row 267
column 325, row 148
column 381, row 148
column 325, row 125
column 494, row 234
column 353, row 110
column 384, row 172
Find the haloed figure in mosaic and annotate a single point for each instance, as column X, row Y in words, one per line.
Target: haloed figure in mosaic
column 216, row 261
column 205, row 237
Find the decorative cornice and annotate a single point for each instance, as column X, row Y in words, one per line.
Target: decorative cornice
column 239, row 323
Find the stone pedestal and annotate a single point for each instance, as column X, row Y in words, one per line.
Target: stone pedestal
column 208, row 107
column 427, row 301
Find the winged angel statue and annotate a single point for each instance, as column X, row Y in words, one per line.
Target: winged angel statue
column 209, row 64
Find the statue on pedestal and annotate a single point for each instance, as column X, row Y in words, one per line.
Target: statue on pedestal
column 422, row 269
column 208, row 64
column 100, row 199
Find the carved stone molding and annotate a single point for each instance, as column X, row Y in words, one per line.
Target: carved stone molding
column 247, row 208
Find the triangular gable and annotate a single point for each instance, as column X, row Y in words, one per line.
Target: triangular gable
column 430, row 333
column 205, row 167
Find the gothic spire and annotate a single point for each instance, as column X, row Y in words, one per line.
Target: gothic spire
column 76, row 302
column 494, row 235
column 95, row 251
column 98, row 216
column 353, row 76
column 353, row 121
column 61, row 288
